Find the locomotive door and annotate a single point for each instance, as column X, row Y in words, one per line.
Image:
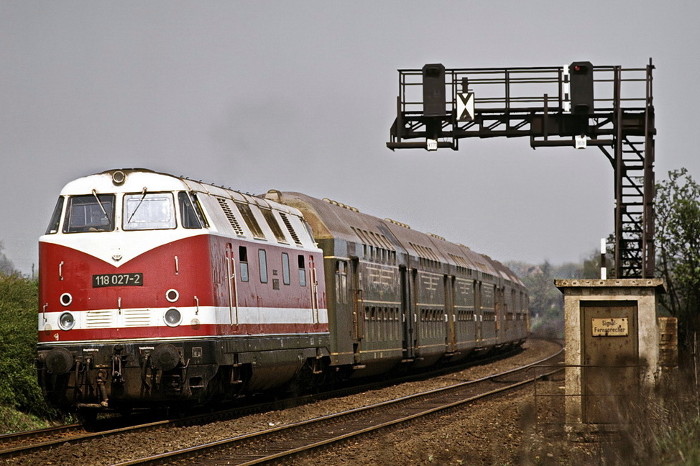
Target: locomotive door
column 407, row 311
column 231, row 284
column 313, row 285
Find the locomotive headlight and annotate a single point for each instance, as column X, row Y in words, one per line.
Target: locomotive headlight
column 172, row 317
column 66, row 321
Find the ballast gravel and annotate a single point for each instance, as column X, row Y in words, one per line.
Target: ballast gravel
column 503, row 430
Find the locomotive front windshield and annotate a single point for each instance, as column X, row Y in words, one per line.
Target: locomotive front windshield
column 149, row 211
column 93, row 212
column 139, row 211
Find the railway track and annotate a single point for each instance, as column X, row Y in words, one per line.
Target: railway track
column 17, row 444
column 280, row 443
column 8, row 441
column 25, row 444
column 22, row 443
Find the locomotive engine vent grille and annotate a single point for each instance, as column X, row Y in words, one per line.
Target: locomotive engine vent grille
column 99, row 318
column 229, row 215
column 288, row 224
column 136, row 317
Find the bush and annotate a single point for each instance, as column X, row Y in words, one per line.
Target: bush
column 18, row 337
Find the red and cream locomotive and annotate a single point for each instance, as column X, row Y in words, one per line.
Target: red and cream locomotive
column 156, row 289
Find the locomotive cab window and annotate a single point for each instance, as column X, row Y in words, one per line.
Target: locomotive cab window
column 55, row 217
column 89, row 213
column 243, row 261
column 190, row 211
column 148, row 211
column 302, row 270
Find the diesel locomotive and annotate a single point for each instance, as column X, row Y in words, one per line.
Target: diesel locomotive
column 161, row 290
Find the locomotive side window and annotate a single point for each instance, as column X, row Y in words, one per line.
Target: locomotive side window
column 302, row 270
column 94, row 212
column 262, row 260
column 192, row 218
column 285, row 268
column 148, row 211
column 55, row 217
column 243, row 260
column 250, row 220
column 274, row 225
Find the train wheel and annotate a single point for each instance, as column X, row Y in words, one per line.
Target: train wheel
column 87, row 417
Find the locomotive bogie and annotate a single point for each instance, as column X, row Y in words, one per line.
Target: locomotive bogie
column 148, row 373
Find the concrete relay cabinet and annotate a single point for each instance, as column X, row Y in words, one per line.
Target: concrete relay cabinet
column 612, row 347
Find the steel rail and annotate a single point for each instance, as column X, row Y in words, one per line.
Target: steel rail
column 288, row 431
column 16, row 437
column 22, row 449
column 15, row 447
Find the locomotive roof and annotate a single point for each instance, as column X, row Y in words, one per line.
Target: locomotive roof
column 135, row 179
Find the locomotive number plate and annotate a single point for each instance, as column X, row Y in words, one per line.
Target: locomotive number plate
column 117, row 279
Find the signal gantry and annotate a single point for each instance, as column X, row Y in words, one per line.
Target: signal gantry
column 577, row 105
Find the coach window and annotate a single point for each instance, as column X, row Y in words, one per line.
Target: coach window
column 55, row 217
column 302, row 270
column 243, row 261
column 285, row 268
column 148, row 211
column 191, row 218
column 93, row 212
column 262, row 260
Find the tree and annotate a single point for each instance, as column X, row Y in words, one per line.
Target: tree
column 6, row 266
column 678, row 246
column 546, row 312
column 18, row 335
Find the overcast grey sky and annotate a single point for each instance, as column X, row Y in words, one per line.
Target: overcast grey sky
column 300, row 96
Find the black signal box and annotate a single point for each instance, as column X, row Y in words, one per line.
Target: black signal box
column 581, row 75
column 434, row 90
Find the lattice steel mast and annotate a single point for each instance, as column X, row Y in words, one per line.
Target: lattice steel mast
column 579, row 105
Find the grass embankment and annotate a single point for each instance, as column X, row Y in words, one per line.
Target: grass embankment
column 22, row 405
column 662, row 427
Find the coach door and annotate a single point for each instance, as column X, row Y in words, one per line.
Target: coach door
column 450, row 314
column 231, row 284
column 478, row 314
column 358, row 303
column 407, row 279
column 499, row 308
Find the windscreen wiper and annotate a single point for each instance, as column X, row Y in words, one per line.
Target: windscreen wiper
column 102, row 208
column 139, row 205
